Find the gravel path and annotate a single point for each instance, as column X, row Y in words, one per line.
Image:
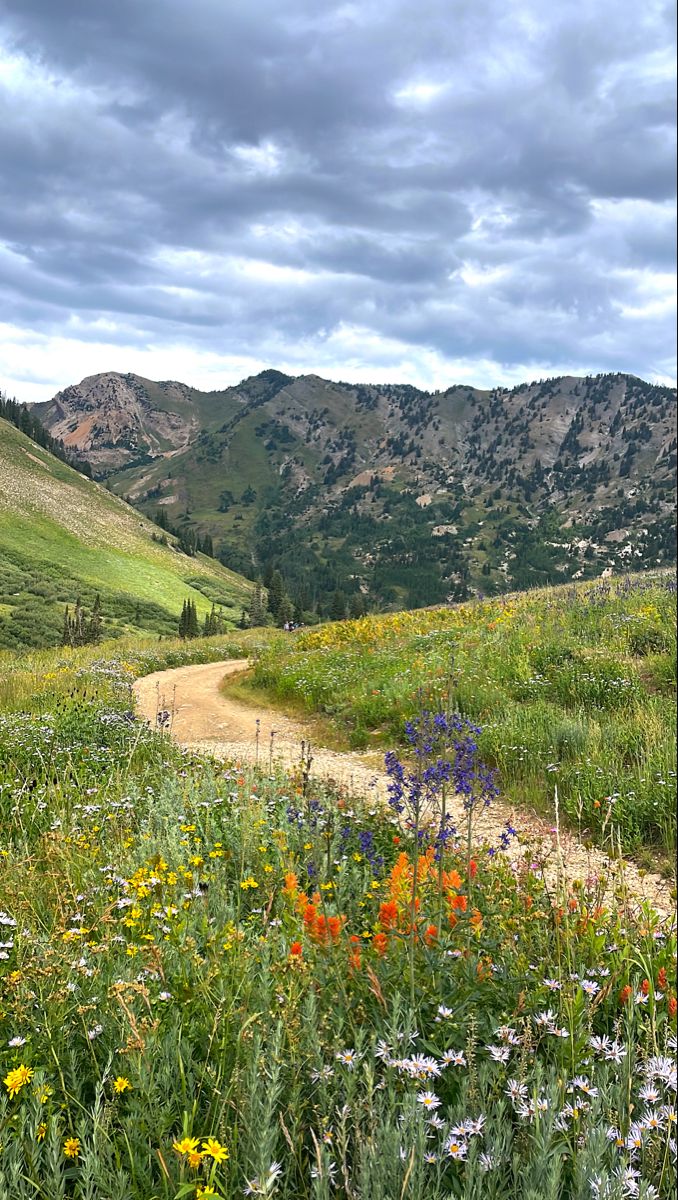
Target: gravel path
column 201, row 718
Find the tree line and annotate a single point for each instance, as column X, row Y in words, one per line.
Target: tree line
column 21, row 416
column 188, row 538
column 189, row 623
column 272, row 604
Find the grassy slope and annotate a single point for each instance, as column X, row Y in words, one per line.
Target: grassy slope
column 573, row 687
column 62, row 535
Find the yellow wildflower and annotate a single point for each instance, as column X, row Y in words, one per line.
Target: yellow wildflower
column 121, row 1084
column 72, row 1147
column 17, row 1078
column 215, row 1150
column 187, row 1145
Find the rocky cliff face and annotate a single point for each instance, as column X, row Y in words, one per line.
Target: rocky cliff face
column 112, row 419
column 418, row 495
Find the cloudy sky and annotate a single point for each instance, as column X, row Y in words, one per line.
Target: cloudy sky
column 432, row 191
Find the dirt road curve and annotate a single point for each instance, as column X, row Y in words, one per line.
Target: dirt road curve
column 202, row 718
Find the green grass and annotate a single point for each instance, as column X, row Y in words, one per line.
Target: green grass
column 63, row 536
column 212, row 982
column 573, row 687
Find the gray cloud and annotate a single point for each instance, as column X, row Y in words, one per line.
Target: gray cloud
column 472, row 182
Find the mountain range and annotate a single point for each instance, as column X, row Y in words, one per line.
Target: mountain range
column 394, row 495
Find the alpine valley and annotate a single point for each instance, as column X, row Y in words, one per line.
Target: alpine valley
column 389, row 495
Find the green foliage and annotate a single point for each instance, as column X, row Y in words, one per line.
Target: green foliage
column 79, row 630
column 188, row 621
column 467, row 492
column 165, row 977
column 63, row 537
column 27, row 421
column 555, row 678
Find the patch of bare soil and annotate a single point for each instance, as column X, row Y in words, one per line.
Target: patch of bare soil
column 202, row 718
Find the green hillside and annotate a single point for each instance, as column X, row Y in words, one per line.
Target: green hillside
column 63, row 537
column 573, row 687
column 397, row 498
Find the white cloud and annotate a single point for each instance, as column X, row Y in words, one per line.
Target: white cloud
column 419, row 93
column 418, row 192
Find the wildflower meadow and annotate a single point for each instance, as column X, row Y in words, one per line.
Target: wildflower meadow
column 223, row 980
column 573, row 687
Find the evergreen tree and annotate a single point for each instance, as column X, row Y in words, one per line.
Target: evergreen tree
column 338, row 606
column 356, row 606
column 257, row 611
column 285, row 611
column 95, row 624
column 188, row 542
column 212, row 623
column 77, row 626
column 193, row 629
column 276, row 591
column 66, row 632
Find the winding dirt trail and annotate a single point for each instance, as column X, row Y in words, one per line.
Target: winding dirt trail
column 203, row 718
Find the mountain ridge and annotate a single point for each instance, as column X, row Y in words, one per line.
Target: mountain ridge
column 387, row 490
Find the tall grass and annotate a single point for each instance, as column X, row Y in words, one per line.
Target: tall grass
column 217, row 981
column 573, row 685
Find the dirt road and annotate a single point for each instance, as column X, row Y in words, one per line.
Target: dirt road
column 203, row 718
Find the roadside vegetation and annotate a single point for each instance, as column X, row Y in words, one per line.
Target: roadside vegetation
column 217, row 981
column 574, row 688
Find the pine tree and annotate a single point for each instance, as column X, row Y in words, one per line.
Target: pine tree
column 77, row 627
column 95, row 624
column 338, row 606
column 276, row 591
column 77, row 631
column 285, row 611
column 211, row 623
column 257, row 610
column 187, row 542
column 193, row 628
column 356, row 606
